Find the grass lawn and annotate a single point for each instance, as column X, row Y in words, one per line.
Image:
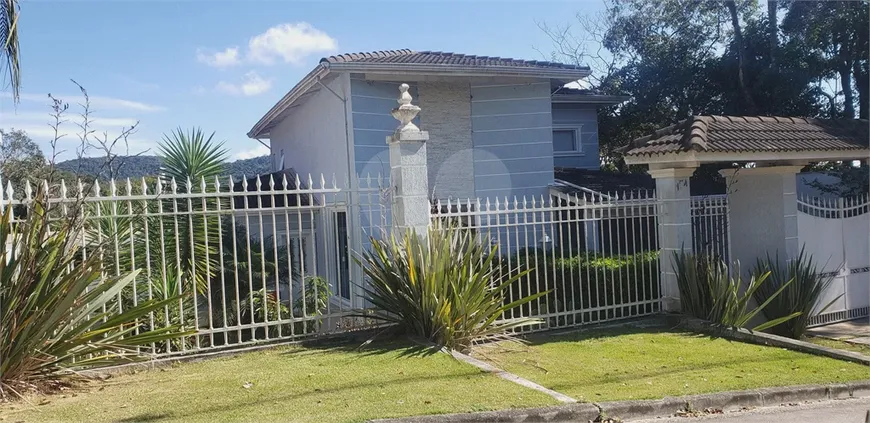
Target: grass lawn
column 840, row 345
column 636, row 363
column 291, row 384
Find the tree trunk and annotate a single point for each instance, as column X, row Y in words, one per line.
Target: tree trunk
column 861, row 75
column 772, row 30
column 848, row 96
column 741, row 57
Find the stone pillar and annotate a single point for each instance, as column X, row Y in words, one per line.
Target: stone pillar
column 409, row 175
column 762, row 205
column 675, row 227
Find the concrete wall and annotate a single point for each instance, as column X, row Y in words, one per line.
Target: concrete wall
column 512, row 138
column 313, row 137
column 763, row 209
column 446, row 115
column 584, row 118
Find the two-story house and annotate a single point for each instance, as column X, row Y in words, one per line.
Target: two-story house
column 498, row 127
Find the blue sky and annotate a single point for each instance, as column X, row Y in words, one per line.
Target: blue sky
column 221, row 65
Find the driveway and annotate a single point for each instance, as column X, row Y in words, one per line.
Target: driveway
column 841, row 411
column 854, row 331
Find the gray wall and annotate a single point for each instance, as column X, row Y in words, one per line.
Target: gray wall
column 585, row 118
column 513, row 139
column 446, row 115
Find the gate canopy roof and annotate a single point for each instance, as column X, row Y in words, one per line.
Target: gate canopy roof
column 708, row 139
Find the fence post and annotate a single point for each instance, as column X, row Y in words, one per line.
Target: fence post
column 675, row 227
column 409, row 175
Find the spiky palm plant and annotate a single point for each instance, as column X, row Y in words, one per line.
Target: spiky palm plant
column 191, row 156
column 806, row 283
column 446, row 288
column 58, row 310
column 9, row 43
column 708, row 292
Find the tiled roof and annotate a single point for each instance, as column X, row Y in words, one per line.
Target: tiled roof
column 406, row 56
column 754, row 134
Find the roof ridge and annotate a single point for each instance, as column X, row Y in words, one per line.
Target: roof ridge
column 695, row 138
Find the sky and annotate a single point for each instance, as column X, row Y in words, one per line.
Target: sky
column 220, row 65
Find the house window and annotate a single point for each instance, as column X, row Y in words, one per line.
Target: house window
column 566, row 140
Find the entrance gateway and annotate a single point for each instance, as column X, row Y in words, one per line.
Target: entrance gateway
column 767, row 153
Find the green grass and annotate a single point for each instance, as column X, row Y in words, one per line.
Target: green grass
column 634, row 363
column 840, row 345
column 291, row 384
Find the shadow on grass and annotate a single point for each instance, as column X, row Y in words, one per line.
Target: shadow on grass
column 610, row 331
column 146, row 417
column 387, row 344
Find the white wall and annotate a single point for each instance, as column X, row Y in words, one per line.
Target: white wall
column 314, row 137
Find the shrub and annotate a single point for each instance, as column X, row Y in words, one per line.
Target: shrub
column 707, row 292
column 445, row 288
column 57, row 310
column 804, row 285
column 607, row 284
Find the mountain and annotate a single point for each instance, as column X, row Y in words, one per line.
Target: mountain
column 139, row 166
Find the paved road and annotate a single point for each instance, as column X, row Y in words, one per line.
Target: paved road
column 843, row 411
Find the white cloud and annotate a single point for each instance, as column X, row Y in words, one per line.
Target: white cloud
column 97, row 102
column 252, row 84
column 287, row 42
column 220, row 59
column 259, row 150
column 290, row 42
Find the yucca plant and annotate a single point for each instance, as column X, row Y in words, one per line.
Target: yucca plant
column 805, row 287
column 446, row 288
column 58, row 312
column 708, row 292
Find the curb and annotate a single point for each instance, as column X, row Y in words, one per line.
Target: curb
column 665, row 407
column 579, row 412
column 761, row 338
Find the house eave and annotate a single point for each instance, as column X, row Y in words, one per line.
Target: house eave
column 695, row 158
column 264, row 125
column 461, row 70
column 590, row 99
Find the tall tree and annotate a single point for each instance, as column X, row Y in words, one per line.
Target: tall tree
column 741, row 56
column 675, row 58
column 837, row 31
column 9, row 42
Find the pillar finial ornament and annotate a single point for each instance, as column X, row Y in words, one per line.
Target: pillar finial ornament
column 406, row 112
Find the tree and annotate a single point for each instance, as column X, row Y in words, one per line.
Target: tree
column 9, row 10
column 677, row 58
column 21, row 159
column 836, row 31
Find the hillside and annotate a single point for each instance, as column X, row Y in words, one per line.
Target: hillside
column 138, row 166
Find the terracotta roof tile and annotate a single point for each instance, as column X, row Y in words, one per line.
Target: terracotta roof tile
column 441, row 58
column 754, row 134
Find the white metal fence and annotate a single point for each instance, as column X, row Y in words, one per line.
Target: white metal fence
column 272, row 257
column 261, row 258
column 836, row 232
column 710, row 226
column 598, row 259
